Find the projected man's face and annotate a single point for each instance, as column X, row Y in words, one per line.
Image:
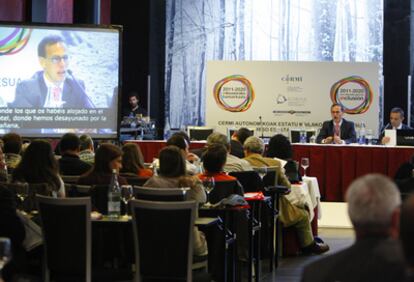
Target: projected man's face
column 55, row 62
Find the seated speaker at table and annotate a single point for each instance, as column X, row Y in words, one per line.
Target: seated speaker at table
column 396, row 122
column 338, row 130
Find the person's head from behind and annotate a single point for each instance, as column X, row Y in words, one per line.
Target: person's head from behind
column 12, row 143
column 132, row 159
column 337, row 111
column 86, row 142
column 407, row 229
column 218, row 138
column 69, row 143
column 253, row 145
column 53, row 58
column 183, row 135
column 178, row 141
column 279, row 147
column 38, row 165
column 214, row 158
column 396, row 117
column 374, row 206
column 242, row 134
column 172, row 162
column 107, row 158
column 133, row 99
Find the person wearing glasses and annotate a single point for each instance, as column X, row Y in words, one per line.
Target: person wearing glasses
column 54, row 86
column 338, row 130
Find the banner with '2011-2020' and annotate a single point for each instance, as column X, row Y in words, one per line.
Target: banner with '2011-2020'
column 274, row 97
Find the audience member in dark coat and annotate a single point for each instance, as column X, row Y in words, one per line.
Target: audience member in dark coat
column 70, row 163
column 374, row 209
column 237, row 141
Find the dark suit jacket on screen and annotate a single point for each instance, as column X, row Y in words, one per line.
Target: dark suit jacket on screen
column 370, row 259
column 347, row 131
column 32, row 93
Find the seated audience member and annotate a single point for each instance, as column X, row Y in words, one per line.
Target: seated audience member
column 290, row 215
column 213, row 162
column 12, row 227
column 405, row 170
column 12, row 148
column 396, row 119
column 38, row 165
column 237, row 141
column 279, row 148
column 374, row 210
column 70, row 163
column 338, row 130
column 133, row 161
column 172, row 174
column 107, row 158
column 180, row 142
column 407, row 235
column 193, row 155
column 87, row 151
column 233, row 163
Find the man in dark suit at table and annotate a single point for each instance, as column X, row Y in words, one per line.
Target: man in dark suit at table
column 338, row 130
column 374, row 209
column 54, row 86
column 396, row 119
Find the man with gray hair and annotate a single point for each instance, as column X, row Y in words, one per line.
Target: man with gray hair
column 233, row 163
column 87, row 152
column 374, row 209
column 289, row 214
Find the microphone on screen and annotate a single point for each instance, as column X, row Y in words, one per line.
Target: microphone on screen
column 80, row 88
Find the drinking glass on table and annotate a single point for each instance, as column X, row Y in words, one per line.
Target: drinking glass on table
column 127, row 194
column 304, row 163
column 208, row 184
column 5, row 252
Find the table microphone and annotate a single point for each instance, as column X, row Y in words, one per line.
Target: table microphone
column 81, row 88
column 261, row 126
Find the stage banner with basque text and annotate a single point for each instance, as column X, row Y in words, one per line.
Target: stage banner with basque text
column 276, row 97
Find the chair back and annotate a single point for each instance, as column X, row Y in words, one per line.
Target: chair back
column 160, row 194
column 223, row 189
column 67, row 253
column 270, row 179
column 77, row 190
column 250, row 180
column 198, row 133
column 134, row 179
column 71, row 179
column 26, row 194
column 163, row 239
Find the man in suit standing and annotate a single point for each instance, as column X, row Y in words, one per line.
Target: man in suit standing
column 374, row 209
column 338, row 130
column 54, row 86
column 396, row 119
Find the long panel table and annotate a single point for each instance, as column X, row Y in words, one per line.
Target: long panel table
column 336, row 166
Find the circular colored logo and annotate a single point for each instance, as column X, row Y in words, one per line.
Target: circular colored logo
column 354, row 94
column 13, row 40
column 234, row 93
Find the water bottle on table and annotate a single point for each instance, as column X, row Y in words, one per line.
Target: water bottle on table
column 114, row 197
column 361, row 138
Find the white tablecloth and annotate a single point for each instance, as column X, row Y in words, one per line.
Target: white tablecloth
column 306, row 194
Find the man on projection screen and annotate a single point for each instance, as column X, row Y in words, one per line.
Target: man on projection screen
column 54, row 86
